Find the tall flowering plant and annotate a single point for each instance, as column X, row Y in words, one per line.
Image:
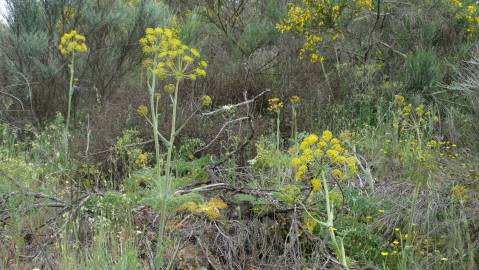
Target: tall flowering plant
column 71, row 45
column 320, row 162
column 170, row 61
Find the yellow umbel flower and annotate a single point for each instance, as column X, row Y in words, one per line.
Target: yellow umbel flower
column 296, row 162
column 275, row 105
column 312, row 157
column 322, row 144
column 338, row 174
column 294, row 100
column 467, row 14
column 171, row 58
column 459, row 193
column 316, row 184
column 420, row 110
column 206, row 101
column 310, row 224
column 335, row 141
column 310, row 139
column 398, row 100
column 327, row 136
column 72, row 42
column 319, row 21
column 142, row 110
column 332, row 154
column 301, row 172
column 318, row 153
column 142, row 159
column 169, row 88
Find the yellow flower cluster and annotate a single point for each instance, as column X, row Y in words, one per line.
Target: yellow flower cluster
column 142, row 111
column 72, row 42
column 319, row 21
column 168, row 57
column 211, row 208
column 275, row 105
column 169, row 88
column 206, row 101
column 459, row 193
column 467, row 13
column 318, row 153
column 398, row 100
column 142, row 159
column 409, row 117
column 294, row 100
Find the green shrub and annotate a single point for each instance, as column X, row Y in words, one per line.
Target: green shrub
column 423, row 72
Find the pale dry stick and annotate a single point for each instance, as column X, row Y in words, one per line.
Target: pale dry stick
column 394, row 50
column 203, row 188
column 229, row 107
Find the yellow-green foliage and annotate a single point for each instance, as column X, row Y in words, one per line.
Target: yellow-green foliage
column 16, row 172
column 412, row 139
column 320, row 21
column 211, row 208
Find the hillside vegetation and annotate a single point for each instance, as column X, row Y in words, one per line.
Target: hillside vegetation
column 239, row 134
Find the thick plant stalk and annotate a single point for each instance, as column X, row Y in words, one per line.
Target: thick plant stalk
column 168, row 179
column 154, row 120
column 69, row 107
column 277, row 130
column 337, row 242
column 70, row 91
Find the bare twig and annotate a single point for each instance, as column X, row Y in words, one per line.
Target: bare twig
column 219, row 133
column 229, row 107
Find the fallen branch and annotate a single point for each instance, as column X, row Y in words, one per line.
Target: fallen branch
column 229, row 107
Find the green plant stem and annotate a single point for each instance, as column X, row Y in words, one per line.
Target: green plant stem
column 172, row 135
column 277, row 130
column 166, row 185
column 69, row 106
column 154, row 120
column 70, row 91
column 338, row 245
column 156, row 138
